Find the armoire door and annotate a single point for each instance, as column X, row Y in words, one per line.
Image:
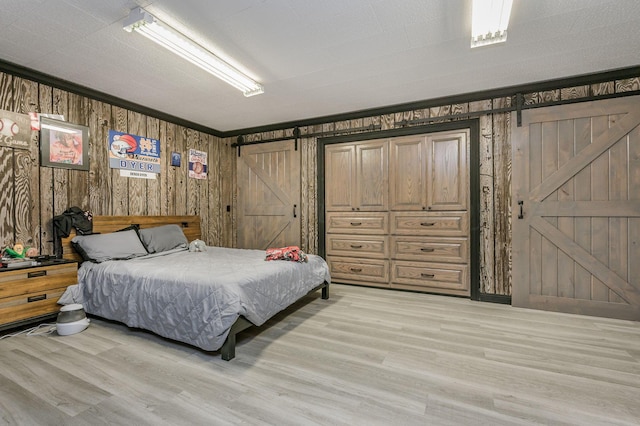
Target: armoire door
column 268, row 195
column 576, row 208
column 340, row 177
column 447, row 171
column 357, row 176
column 372, row 176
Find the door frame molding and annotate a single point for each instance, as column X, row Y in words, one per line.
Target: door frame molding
column 473, row 125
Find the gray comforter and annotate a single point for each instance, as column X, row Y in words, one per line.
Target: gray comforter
column 195, row 297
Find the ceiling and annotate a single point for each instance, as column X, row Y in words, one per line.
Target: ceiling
column 314, row 58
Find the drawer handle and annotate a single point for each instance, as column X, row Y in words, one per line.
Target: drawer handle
column 355, row 269
column 36, row 274
column 356, row 223
column 356, row 246
column 36, row 298
column 427, row 249
column 427, row 275
column 427, row 223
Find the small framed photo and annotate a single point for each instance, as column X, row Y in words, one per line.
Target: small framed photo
column 175, row 159
column 63, row 145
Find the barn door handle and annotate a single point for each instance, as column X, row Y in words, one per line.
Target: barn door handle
column 521, row 214
column 294, row 210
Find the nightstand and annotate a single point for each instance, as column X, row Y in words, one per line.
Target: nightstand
column 31, row 293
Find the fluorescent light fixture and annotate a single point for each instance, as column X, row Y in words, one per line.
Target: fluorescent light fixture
column 141, row 21
column 490, row 19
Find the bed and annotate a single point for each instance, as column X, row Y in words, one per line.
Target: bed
column 203, row 298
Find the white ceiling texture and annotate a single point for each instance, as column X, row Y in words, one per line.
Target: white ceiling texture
column 314, row 57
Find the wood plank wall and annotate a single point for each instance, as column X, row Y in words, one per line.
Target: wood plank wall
column 495, row 168
column 32, row 195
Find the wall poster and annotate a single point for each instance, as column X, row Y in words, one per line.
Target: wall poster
column 197, row 164
column 15, row 130
column 63, row 145
column 135, row 156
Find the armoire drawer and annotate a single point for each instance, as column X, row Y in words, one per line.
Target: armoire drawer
column 357, row 223
column 430, row 223
column 372, row 246
column 363, row 270
column 439, row 275
column 430, row 249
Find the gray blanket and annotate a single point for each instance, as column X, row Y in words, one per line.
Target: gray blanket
column 195, row 297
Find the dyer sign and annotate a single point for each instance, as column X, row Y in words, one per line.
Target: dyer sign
column 135, row 156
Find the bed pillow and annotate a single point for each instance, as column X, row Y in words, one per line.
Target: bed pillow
column 112, row 246
column 163, row 238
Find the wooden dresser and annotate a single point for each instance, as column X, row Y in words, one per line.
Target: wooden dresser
column 396, row 212
column 31, row 293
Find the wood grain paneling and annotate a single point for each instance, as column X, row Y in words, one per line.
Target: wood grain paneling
column 99, row 174
column 502, row 198
column 33, row 195
column 45, row 100
column 120, row 184
column 78, row 184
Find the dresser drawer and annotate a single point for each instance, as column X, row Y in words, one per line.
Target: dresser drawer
column 35, row 280
column 434, row 275
column 430, row 249
column 357, row 223
column 352, row 269
column 430, row 223
column 373, row 246
column 29, row 293
column 13, row 309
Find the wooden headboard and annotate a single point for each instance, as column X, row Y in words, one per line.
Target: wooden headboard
column 103, row 224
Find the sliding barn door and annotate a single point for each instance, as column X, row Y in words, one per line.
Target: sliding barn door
column 269, row 195
column 576, row 209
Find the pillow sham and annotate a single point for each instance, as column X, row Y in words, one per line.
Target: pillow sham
column 163, row 238
column 112, row 246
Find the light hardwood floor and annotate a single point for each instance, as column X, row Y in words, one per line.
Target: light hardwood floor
column 364, row 357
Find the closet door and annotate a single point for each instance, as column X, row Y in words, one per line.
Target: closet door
column 340, row 177
column 372, row 176
column 408, row 173
column 447, row 171
column 576, row 209
column 269, row 195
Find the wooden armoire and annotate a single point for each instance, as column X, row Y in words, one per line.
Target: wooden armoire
column 397, row 212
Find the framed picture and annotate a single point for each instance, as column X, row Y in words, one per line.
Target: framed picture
column 175, row 159
column 63, row 145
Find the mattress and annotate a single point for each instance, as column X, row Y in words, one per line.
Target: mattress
column 195, row 297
